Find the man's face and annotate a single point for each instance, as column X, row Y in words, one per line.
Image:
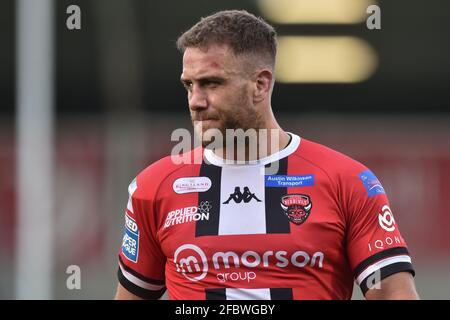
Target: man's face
column 219, row 89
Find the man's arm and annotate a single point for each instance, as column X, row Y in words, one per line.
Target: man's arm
column 124, row 294
column 141, row 260
column 399, row 286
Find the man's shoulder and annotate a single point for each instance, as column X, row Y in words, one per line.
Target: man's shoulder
column 328, row 159
column 150, row 179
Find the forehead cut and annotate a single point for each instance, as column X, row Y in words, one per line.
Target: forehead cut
column 216, row 60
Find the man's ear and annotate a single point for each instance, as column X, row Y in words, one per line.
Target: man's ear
column 263, row 85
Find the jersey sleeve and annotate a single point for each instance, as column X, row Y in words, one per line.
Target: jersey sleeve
column 141, row 261
column 375, row 247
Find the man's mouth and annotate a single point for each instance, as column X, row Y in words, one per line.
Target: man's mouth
column 205, row 121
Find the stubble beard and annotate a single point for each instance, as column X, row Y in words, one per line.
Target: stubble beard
column 230, row 121
column 244, row 117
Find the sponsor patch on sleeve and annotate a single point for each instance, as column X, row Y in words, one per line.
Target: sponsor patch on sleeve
column 371, row 183
column 130, row 242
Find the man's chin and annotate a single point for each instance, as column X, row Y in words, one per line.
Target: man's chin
column 208, row 134
column 212, row 141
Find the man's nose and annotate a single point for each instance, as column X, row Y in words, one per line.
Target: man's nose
column 197, row 99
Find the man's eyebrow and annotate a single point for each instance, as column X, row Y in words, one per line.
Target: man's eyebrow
column 204, row 79
column 183, row 80
column 211, row 79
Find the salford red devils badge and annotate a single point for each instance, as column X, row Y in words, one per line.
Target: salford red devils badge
column 297, row 207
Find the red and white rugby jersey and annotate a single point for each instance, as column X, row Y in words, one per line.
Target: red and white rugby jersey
column 211, row 230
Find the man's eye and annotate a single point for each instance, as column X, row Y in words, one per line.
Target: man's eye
column 188, row 86
column 211, row 84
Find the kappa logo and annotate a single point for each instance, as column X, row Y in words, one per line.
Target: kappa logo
column 191, row 184
column 386, row 219
column 297, row 207
column 239, row 196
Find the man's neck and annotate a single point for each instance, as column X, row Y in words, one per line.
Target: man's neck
column 268, row 142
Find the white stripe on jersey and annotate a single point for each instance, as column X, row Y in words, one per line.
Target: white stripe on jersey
column 133, row 279
column 380, row 264
column 212, row 158
column 242, row 218
column 247, row 294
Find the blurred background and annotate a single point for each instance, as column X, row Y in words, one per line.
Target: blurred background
column 82, row 111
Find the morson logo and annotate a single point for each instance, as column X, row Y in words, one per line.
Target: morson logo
column 192, row 262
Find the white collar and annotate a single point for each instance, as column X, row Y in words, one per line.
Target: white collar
column 212, row 158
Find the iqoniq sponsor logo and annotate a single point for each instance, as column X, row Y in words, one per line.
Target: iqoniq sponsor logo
column 386, row 219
